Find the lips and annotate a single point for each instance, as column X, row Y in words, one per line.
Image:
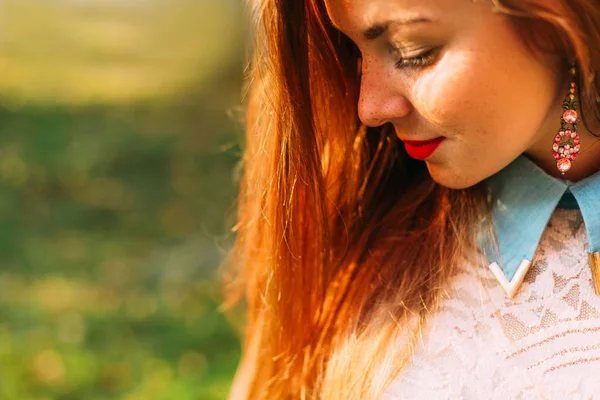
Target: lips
column 421, row 149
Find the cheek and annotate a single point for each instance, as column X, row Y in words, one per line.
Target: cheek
column 451, row 96
column 479, row 91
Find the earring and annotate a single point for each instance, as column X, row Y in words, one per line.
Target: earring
column 566, row 142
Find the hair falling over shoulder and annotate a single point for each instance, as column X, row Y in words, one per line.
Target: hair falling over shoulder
column 344, row 243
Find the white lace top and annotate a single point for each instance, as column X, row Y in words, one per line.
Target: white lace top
column 542, row 344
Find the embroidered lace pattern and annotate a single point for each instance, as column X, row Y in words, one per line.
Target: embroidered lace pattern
column 542, row 344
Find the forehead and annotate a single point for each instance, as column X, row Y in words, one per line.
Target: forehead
column 359, row 15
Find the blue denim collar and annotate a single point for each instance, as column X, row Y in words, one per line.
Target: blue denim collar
column 523, row 198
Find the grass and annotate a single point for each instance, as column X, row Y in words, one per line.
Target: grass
column 117, row 159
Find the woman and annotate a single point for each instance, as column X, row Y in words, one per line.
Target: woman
column 419, row 210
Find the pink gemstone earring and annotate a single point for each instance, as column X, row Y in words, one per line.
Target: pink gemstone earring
column 566, row 142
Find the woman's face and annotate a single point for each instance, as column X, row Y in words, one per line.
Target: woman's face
column 476, row 84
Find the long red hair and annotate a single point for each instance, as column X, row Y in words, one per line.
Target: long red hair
column 344, row 243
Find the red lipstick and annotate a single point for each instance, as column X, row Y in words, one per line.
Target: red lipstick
column 421, row 149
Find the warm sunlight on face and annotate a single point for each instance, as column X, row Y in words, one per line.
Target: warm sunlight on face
column 455, row 69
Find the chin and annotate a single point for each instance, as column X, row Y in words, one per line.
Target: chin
column 450, row 178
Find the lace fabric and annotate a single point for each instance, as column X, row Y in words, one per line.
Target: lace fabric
column 542, row 344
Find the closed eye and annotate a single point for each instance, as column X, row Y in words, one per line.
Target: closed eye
column 422, row 60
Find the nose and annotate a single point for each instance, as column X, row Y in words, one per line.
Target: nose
column 381, row 99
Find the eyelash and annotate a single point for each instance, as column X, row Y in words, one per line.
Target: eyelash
column 422, row 60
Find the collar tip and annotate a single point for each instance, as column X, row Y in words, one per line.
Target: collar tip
column 511, row 288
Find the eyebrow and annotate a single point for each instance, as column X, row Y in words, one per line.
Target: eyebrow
column 377, row 30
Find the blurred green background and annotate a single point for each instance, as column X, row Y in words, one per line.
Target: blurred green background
column 119, row 139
